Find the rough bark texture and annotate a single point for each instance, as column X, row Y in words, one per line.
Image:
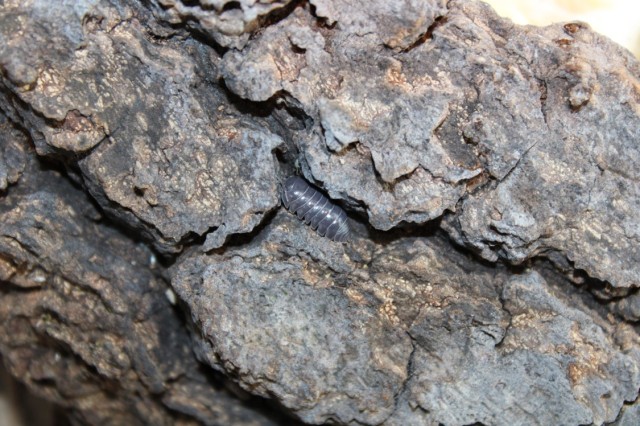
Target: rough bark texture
column 491, row 173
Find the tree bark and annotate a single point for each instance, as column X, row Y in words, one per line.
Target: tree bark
column 491, row 174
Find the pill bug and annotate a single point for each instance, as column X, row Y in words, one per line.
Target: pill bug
column 315, row 209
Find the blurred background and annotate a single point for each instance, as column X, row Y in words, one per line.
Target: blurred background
column 19, row 407
column 617, row 19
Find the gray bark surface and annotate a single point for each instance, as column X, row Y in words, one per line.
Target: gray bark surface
column 491, row 173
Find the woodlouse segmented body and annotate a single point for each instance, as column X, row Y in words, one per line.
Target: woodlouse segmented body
column 315, row 209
